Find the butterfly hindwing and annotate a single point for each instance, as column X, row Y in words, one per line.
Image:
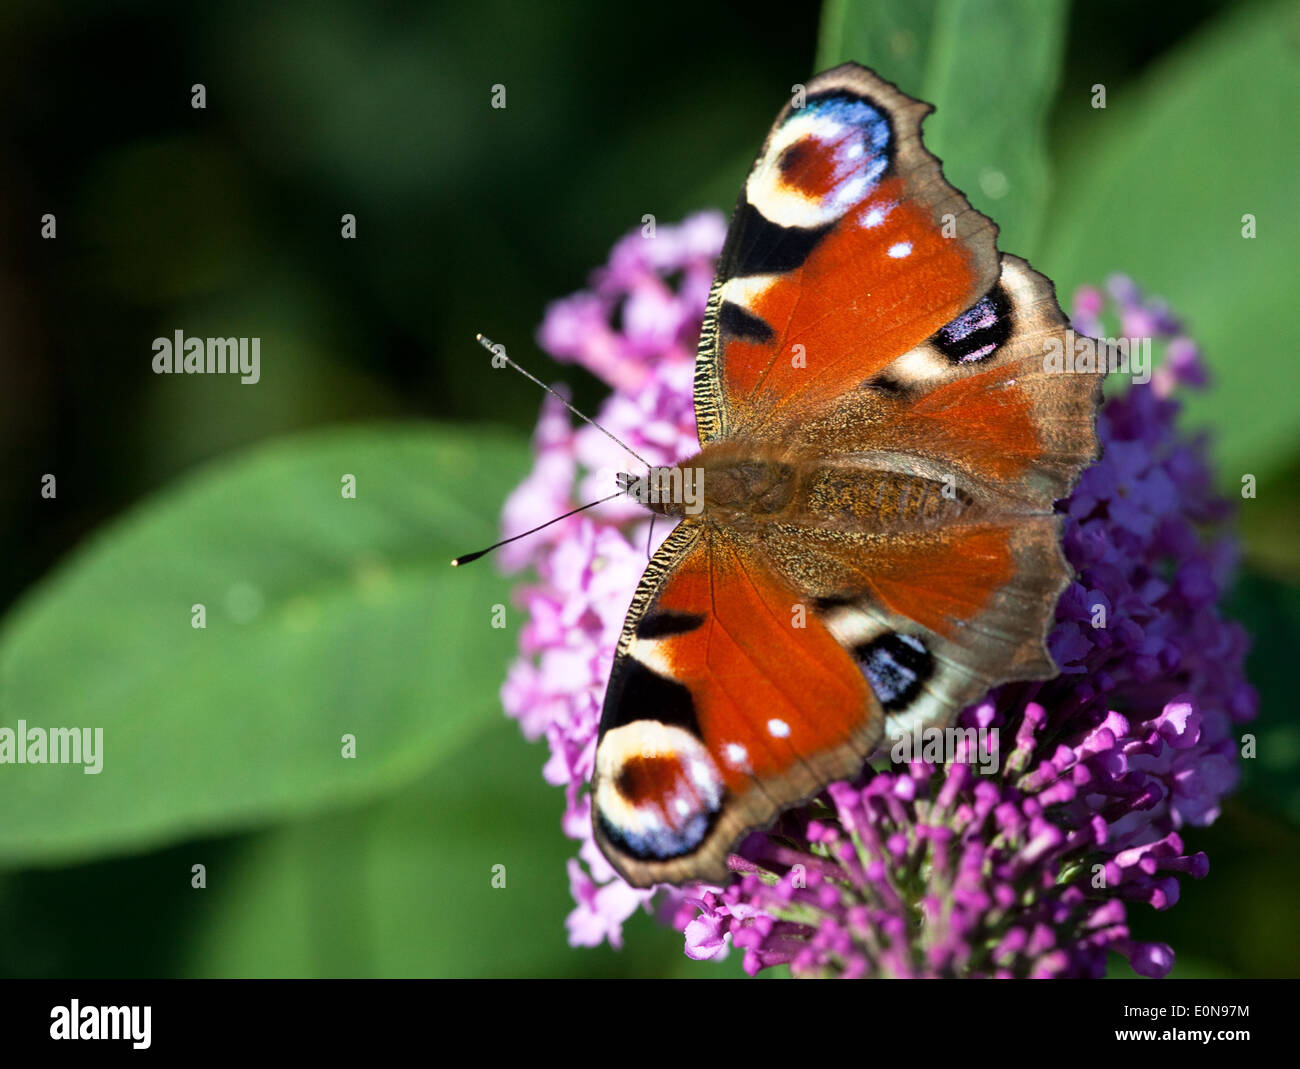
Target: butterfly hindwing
column 975, row 596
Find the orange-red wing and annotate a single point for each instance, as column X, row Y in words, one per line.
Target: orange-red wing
column 940, row 579
column 729, row 701
column 847, row 249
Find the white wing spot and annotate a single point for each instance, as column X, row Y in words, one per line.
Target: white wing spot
column 778, row 728
column 903, row 248
column 852, row 191
column 873, row 218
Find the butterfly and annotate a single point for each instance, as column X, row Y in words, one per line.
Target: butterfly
column 881, row 445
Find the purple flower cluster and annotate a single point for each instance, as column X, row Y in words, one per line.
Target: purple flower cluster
column 916, row 869
column 636, row 328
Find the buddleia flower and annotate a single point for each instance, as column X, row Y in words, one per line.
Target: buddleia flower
column 920, row 867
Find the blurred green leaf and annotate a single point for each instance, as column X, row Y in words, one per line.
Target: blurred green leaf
column 1239, row 920
column 892, row 38
column 188, row 239
column 405, row 886
column 325, row 616
column 1157, row 188
column 1269, row 522
column 990, row 132
column 1270, row 612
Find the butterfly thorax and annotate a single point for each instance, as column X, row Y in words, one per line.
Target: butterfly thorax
column 743, row 481
column 721, row 483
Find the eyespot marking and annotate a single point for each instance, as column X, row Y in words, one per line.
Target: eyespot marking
column 897, row 666
column 657, row 792
column 979, row 331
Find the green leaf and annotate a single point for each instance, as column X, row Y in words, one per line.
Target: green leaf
column 989, row 131
column 325, row 616
column 1270, row 613
column 406, row 887
column 1156, row 184
column 400, row 885
column 1270, row 520
column 892, row 38
column 1240, row 920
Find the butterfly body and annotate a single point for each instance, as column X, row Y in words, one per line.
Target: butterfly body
column 875, row 543
column 747, row 486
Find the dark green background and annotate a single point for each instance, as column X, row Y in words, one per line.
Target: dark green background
column 221, row 745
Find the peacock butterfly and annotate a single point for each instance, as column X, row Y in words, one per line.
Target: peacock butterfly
column 881, row 448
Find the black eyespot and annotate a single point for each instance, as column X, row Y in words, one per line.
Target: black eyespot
column 897, row 666
column 662, row 843
column 978, row 332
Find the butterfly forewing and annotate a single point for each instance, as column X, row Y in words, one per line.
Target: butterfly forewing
column 846, row 249
column 728, row 699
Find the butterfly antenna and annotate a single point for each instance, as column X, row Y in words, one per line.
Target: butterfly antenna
column 650, row 537
column 514, row 538
column 500, row 350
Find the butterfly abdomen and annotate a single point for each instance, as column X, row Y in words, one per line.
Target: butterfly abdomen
column 856, row 498
column 746, row 487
